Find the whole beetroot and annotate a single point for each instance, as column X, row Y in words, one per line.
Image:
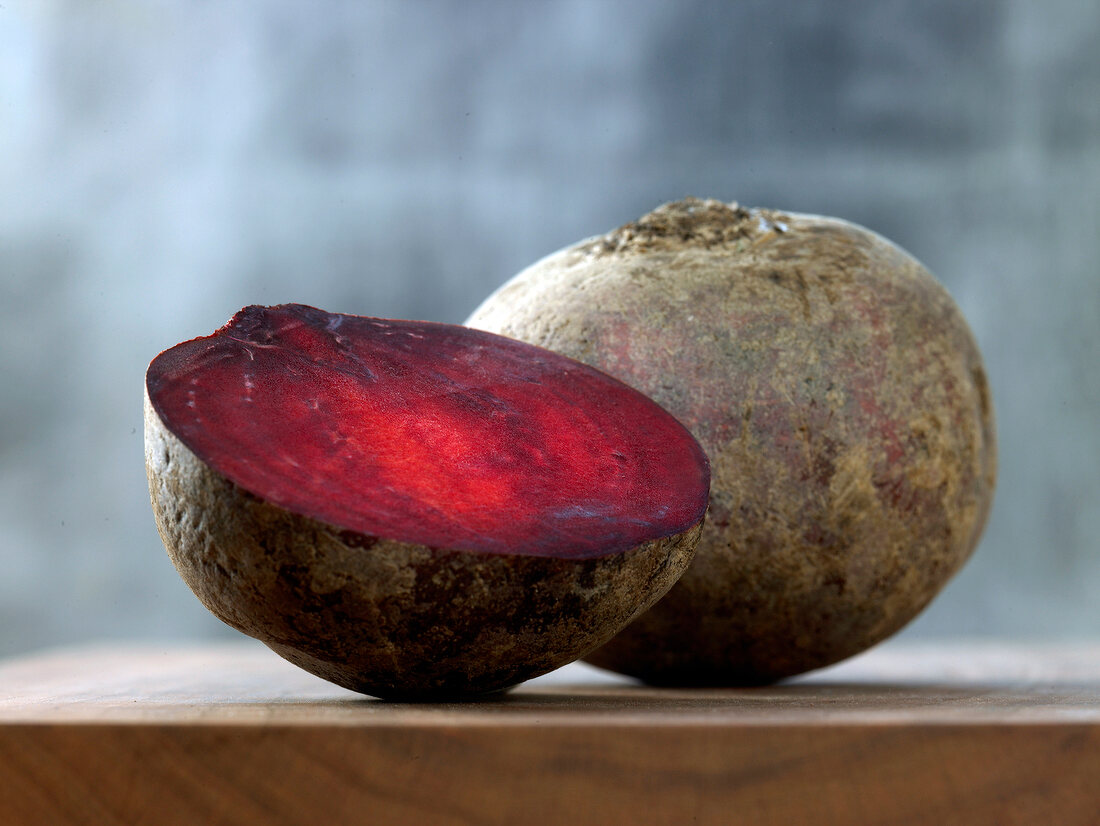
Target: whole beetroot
column 839, row 395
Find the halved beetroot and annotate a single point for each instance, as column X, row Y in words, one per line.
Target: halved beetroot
column 412, row 509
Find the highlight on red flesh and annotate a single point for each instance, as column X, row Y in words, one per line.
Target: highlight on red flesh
column 431, row 434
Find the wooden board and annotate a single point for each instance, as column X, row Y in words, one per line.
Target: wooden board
column 965, row 733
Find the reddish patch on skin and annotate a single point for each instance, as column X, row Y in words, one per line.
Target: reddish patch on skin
column 430, row 433
column 886, row 427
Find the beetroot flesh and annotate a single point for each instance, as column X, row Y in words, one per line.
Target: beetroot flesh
column 431, row 434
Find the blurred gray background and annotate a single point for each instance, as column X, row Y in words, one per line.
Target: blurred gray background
column 165, row 162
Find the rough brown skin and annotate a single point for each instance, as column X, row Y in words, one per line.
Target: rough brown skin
column 839, row 395
column 401, row 621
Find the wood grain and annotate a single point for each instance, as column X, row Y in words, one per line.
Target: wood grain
column 232, row 734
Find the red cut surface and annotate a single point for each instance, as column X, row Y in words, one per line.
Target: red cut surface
column 430, row 433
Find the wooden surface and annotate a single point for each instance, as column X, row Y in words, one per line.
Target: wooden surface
column 967, row 734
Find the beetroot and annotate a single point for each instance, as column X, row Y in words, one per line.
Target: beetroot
column 413, row 509
column 839, row 395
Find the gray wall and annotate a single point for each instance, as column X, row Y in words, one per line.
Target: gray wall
column 164, row 163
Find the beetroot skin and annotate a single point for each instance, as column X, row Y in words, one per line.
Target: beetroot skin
column 839, row 395
column 413, row 509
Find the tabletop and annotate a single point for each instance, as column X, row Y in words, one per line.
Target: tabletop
column 946, row 732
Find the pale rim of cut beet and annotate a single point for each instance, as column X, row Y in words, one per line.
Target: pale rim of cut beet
column 430, row 433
